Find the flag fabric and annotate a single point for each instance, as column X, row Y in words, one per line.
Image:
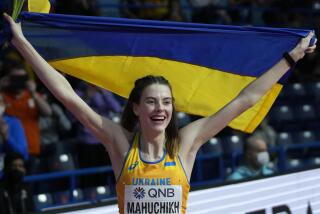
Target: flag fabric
column 207, row 65
column 39, row 6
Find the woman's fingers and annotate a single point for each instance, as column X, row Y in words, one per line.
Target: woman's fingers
column 309, row 37
column 311, row 49
column 8, row 18
column 305, row 43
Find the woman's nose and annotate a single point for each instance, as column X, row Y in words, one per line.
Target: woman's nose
column 160, row 106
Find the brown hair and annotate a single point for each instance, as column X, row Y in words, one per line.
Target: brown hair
column 129, row 120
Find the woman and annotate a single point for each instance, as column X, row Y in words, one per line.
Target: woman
column 149, row 169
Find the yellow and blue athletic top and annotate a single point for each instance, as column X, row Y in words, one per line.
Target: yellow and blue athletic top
column 152, row 187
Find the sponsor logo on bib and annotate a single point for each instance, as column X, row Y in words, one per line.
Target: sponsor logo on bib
column 163, row 199
column 139, row 192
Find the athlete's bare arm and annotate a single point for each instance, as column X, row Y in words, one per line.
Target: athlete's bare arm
column 194, row 135
column 111, row 135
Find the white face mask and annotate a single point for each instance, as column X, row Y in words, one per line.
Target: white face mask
column 263, row 158
column 2, row 109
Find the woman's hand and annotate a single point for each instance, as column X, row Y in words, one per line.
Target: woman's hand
column 15, row 29
column 302, row 48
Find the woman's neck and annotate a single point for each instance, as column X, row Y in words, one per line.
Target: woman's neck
column 151, row 146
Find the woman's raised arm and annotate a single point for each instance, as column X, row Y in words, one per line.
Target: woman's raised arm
column 198, row 132
column 110, row 134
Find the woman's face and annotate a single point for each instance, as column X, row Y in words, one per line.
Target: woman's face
column 155, row 108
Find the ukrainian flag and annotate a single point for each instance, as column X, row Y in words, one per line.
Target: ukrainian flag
column 207, row 65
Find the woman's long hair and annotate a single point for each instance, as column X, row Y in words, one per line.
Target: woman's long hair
column 129, row 120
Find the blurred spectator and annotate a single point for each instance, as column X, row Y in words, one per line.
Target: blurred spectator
column 102, row 101
column 267, row 133
column 12, row 136
column 256, row 160
column 11, row 55
column 15, row 196
column 52, row 128
column 91, row 152
column 24, row 102
column 152, row 9
column 210, row 11
column 77, row 7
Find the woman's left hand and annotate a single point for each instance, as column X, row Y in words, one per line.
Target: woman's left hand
column 303, row 47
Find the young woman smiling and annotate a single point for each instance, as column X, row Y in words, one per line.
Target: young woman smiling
column 151, row 158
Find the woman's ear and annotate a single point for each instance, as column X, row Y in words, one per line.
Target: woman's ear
column 135, row 109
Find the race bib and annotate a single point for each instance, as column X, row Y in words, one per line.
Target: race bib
column 162, row 199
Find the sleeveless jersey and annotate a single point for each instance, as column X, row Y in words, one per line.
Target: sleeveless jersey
column 151, row 187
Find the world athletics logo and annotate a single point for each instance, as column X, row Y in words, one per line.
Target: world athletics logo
column 139, row 192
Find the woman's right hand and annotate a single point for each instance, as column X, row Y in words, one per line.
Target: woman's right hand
column 15, row 29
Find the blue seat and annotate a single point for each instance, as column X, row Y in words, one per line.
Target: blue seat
column 300, row 146
column 295, row 149
column 233, row 144
column 210, row 161
column 292, row 163
column 307, row 136
column 61, row 162
column 294, row 90
column 284, row 139
column 311, row 139
column 196, row 174
column 42, row 201
column 313, row 162
column 305, row 112
column 99, row 193
column 313, row 89
column 233, row 147
column 212, row 169
column 183, row 119
column 213, row 146
column 281, row 114
column 63, row 197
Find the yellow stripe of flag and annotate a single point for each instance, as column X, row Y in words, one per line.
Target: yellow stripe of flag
column 39, row 6
column 118, row 73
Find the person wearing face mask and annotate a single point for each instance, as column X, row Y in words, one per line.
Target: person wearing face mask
column 24, row 102
column 256, row 160
column 15, row 196
column 12, row 136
